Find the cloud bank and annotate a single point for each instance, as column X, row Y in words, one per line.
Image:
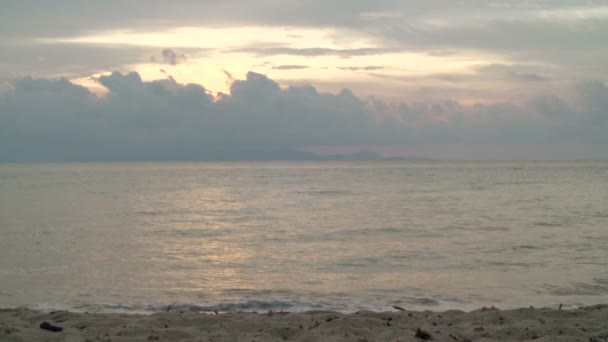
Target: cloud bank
column 56, row 120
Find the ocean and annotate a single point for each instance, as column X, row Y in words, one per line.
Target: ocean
column 295, row 236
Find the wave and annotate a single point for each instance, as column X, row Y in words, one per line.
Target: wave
column 244, row 306
column 341, row 304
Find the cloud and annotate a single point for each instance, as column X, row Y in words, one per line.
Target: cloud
column 455, row 78
column 565, row 37
column 365, row 68
column 69, row 60
column 263, row 52
column 159, row 14
column 171, row 57
column 527, row 77
column 481, row 75
column 560, row 31
column 54, row 119
column 514, row 72
column 229, row 77
column 522, row 35
column 290, row 67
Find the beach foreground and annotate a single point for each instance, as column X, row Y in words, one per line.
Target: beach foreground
column 487, row 324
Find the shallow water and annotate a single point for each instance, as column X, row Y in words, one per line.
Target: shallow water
column 303, row 235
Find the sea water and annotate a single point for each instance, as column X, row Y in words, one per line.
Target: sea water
column 303, row 235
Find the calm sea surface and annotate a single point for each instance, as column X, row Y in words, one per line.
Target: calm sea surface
column 304, row 235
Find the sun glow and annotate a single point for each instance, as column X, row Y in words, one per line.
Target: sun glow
column 215, row 56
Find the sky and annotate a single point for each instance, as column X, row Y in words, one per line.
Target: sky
column 173, row 80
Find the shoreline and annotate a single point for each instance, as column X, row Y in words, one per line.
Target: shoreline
column 588, row 323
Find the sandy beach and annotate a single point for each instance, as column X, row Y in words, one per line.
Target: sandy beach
column 486, row 324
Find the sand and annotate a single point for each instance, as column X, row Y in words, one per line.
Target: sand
column 583, row 324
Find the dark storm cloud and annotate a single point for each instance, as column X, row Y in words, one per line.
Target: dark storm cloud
column 43, row 119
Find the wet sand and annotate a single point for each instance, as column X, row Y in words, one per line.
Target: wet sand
column 589, row 324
